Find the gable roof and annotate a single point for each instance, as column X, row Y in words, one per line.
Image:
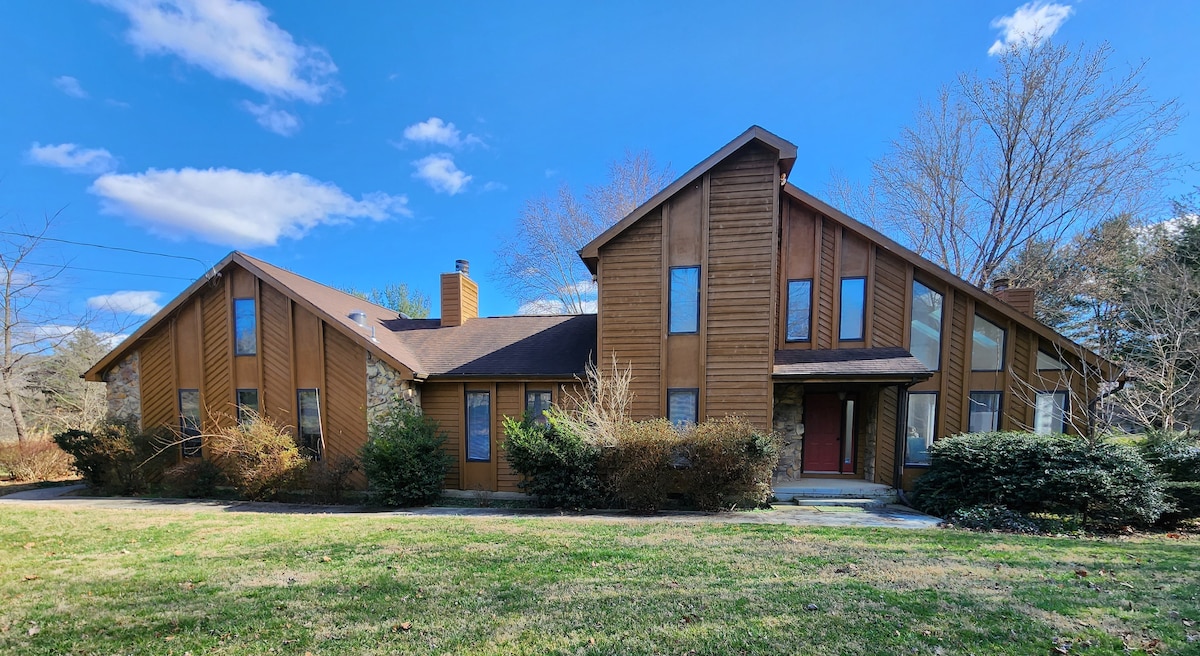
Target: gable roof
column 787, row 155
column 554, row 346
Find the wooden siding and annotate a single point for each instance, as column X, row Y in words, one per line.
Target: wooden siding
column 885, row 436
column 443, row 402
column 157, row 380
column 739, row 311
column 345, row 429
column 825, row 308
column 460, row 299
column 509, row 402
column 217, row 395
column 631, row 304
column 956, row 367
column 278, row 392
column 889, row 316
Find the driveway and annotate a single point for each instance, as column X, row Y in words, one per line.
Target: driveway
column 889, row 516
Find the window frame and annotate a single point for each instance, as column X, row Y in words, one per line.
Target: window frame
column 1062, row 366
column 191, row 445
column 241, row 416
column 694, row 392
column 1003, row 346
column 787, row 332
column 941, row 327
column 540, row 418
column 237, row 347
column 999, row 394
column 862, row 320
column 317, row 450
column 937, row 409
column 1064, row 420
column 467, row 425
column 671, row 311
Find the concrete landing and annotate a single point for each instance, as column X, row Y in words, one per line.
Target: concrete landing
column 838, row 491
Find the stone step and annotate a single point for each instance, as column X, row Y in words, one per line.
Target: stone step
column 824, row 502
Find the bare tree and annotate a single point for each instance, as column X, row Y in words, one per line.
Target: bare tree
column 540, row 263
column 1052, row 143
column 411, row 303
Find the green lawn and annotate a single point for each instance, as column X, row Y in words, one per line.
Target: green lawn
column 96, row 581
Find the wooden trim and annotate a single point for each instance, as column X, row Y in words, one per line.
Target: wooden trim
column 702, row 366
column 968, row 343
column 945, row 338
column 665, row 307
column 260, row 346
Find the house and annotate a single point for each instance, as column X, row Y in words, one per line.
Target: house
column 730, row 292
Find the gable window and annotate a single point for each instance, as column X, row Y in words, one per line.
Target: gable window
column 479, row 426
column 985, row 412
column 918, row 431
column 308, row 424
column 245, row 324
column 1047, row 362
column 1050, row 413
column 247, row 405
column 925, row 338
column 987, row 346
column 683, row 406
column 684, row 308
column 853, row 309
column 537, row 402
column 799, row 310
column 189, row 422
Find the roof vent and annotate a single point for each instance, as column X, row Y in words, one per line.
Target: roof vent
column 359, row 317
column 462, row 266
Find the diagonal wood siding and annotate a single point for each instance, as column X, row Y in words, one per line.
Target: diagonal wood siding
column 955, row 368
column 157, row 380
column 218, row 382
column 827, row 272
column 345, row 395
column 888, row 319
column 741, row 251
column 278, row 395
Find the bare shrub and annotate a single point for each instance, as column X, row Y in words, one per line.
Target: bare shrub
column 602, row 406
column 730, row 463
column 118, row 457
column 35, row 460
column 641, row 465
column 259, row 456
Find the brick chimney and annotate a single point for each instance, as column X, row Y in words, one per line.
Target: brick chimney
column 460, row 296
column 1021, row 298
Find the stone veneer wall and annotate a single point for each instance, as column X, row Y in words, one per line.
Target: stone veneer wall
column 123, row 391
column 385, row 384
column 788, row 422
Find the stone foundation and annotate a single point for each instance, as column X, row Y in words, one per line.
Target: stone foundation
column 123, row 393
column 385, row 384
column 788, row 422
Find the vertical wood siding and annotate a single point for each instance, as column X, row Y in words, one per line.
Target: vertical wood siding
column 278, row 395
column 217, row 396
column 345, row 429
column 885, row 444
column 157, row 379
column 443, row 402
column 888, row 318
column 510, row 402
column 631, row 277
column 741, row 250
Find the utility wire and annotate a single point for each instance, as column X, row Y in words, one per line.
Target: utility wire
column 120, row 273
column 106, row 247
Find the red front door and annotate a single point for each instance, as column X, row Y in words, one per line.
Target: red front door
column 822, row 433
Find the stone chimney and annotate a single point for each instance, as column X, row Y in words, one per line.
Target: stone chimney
column 1021, row 298
column 460, row 296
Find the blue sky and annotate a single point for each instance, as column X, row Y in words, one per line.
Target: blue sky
column 368, row 142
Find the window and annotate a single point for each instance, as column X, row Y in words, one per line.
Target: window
column 848, row 434
column 985, row 412
column 189, row 422
column 987, row 346
column 799, row 310
column 918, row 433
column 245, row 334
column 1050, row 413
column 925, row 340
column 537, row 402
column 1047, row 362
column 684, row 308
column 854, row 306
column 247, row 405
column 479, row 426
column 308, row 426
column 683, row 406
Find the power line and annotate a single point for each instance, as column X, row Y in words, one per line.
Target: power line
column 120, row 273
column 104, row 246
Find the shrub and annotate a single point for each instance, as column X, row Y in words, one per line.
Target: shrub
column 1174, row 455
column 258, row 456
column 403, row 458
column 117, row 457
column 35, row 460
column 1185, row 497
column 194, row 478
column 730, row 463
column 641, row 466
column 556, row 465
column 990, row 517
column 1103, row 483
column 329, row 479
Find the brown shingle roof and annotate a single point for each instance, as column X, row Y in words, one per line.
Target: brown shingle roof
column 891, row 363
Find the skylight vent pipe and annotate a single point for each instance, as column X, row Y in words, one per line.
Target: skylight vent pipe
column 359, row 317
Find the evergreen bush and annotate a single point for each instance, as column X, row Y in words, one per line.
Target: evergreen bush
column 557, row 466
column 403, row 458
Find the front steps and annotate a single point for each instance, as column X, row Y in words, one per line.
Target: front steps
column 834, row 492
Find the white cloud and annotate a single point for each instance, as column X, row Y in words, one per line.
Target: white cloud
column 1029, row 24
column 72, row 157
column 276, row 120
column 231, row 39
column 495, row 186
column 70, row 86
column 437, row 131
column 441, row 174
column 236, row 208
column 141, row 303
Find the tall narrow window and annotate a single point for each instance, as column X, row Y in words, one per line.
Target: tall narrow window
column 308, row 424
column 1050, row 413
column 684, row 308
column 987, row 346
column 245, row 333
column 854, row 306
column 479, row 426
column 189, row 422
column 925, row 341
column 985, row 412
column 537, row 402
column 247, row 405
column 683, row 406
column 799, row 310
column 848, row 435
column 1047, row 362
column 918, row 433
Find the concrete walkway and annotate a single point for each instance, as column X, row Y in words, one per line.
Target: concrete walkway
column 889, row 516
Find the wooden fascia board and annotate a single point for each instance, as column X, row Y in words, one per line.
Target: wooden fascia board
column 927, row 267
column 128, row 343
column 590, row 253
